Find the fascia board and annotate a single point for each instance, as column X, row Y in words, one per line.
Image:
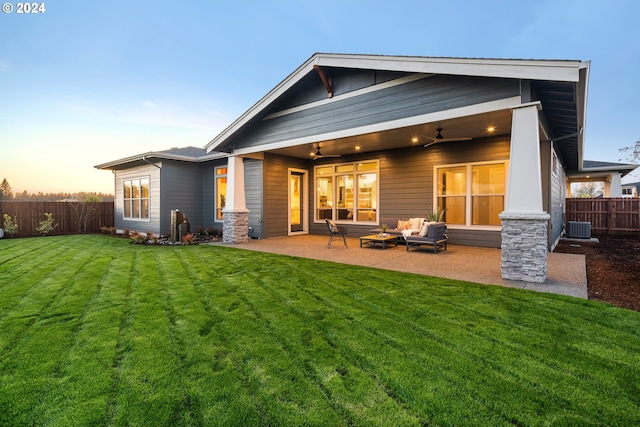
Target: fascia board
column 555, row 70
column 273, row 94
column 161, row 156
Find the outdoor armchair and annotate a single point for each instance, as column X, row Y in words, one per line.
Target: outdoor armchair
column 336, row 230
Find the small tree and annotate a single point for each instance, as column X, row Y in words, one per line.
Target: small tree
column 587, row 190
column 10, row 226
column 633, row 152
column 85, row 209
column 46, row 226
column 5, row 190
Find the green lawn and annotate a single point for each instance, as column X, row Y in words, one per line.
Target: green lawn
column 96, row 331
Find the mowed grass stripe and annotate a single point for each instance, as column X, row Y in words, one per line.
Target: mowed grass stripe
column 294, row 401
column 208, row 335
column 32, row 361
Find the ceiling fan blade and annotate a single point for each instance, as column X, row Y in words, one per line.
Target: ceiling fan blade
column 438, row 141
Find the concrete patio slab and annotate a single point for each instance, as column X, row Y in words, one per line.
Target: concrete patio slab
column 566, row 273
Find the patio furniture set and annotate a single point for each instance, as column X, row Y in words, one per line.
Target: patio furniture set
column 414, row 233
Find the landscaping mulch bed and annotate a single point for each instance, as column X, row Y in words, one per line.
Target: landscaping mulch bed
column 613, row 268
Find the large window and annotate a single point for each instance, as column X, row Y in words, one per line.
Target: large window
column 471, row 194
column 136, row 198
column 347, row 192
column 220, row 191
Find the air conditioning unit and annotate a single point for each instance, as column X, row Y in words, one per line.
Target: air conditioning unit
column 579, row 230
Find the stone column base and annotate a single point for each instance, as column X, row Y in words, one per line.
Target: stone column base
column 524, row 246
column 235, row 228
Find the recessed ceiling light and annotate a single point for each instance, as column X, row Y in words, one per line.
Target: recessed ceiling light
column 357, row 148
column 491, row 129
column 414, row 139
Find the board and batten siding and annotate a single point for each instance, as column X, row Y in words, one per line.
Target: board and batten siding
column 423, row 96
column 182, row 189
column 558, row 201
column 253, row 187
column 151, row 225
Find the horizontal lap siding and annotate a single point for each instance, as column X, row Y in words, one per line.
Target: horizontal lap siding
column 406, row 185
column 407, row 100
column 144, row 226
column 276, row 198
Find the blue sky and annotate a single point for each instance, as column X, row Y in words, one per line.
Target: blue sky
column 87, row 82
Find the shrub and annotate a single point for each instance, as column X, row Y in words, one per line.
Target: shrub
column 10, row 226
column 137, row 238
column 46, row 226
column 189, row 239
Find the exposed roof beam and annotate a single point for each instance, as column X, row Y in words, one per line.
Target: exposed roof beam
column 326, row 78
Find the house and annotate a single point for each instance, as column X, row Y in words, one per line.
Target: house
column 631, row 189
column 366, row 139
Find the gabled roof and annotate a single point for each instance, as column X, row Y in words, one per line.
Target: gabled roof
column 595, row 166
column 185, row 154
column 552, row 71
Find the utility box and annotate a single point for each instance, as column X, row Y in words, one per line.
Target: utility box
column 579, row 230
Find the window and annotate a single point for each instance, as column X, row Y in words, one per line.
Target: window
column 136, row 198
column 220, row 191
column 347, row 192
column 472, row 194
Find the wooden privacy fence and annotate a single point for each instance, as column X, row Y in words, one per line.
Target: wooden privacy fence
column 71, row 217
column 607, row 216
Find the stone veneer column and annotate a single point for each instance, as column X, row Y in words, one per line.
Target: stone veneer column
column 524, row 246
column 524, row 222
column 235, row 226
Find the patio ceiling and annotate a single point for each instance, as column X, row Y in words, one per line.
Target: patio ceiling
column 464, row 127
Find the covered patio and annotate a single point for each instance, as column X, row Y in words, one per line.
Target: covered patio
column 566, row 272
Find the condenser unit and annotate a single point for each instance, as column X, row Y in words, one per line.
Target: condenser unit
column 579, row 230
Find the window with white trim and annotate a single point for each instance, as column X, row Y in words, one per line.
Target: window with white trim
column 220, row 192
column 136, row 198
column 471, row 194
column 347, row 192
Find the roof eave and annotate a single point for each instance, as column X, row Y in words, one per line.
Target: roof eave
column 557, row 70
column 161, row 156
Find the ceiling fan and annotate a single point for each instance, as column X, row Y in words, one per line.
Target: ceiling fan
column 319, row 155
column 439, row 138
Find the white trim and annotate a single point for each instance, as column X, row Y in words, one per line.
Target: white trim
column 470, row 110
column 353, row 94
column 468, row 214
column 562, row 70
column 334, row 208
column 305, row 208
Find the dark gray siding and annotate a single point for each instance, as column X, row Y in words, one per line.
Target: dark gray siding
column 418, row 97
column 276, row 210
column 182, row 189
column 152, row 225
column 253, row 185
column 558, row 200
column 406, row 184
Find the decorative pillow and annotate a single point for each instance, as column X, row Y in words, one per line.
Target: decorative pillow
column 424, row 230
column 403, row 225
column 416, row 223
column 333, row 225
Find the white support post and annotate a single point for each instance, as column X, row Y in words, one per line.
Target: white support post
column 524, row 223
column 235, row 213
column 613, row 186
